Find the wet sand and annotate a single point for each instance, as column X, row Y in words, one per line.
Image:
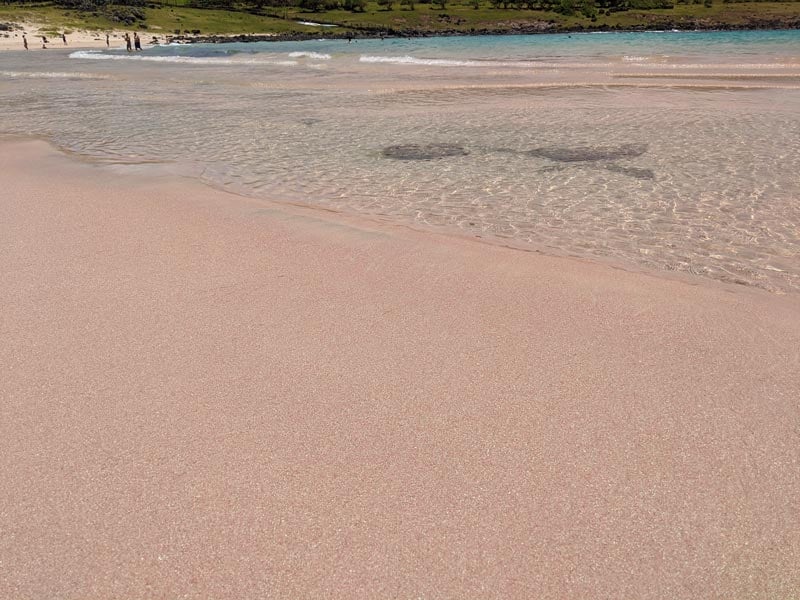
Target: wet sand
column 206, row 396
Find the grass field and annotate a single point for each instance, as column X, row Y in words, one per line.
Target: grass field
column 161, row 20
column 460, row 16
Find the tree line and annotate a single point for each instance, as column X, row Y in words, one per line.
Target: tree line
column 587, row 7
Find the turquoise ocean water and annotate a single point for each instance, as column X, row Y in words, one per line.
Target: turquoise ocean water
column 667, row 151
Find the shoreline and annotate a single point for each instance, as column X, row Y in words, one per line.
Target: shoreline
column 164, row 169
column 211, row 395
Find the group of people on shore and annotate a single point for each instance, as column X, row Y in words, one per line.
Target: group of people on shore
column 45, row 41
column 130, row 44
column 137, row 43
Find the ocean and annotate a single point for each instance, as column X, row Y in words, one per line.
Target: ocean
column 661, row 151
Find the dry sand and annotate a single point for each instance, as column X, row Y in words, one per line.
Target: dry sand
column 205, row 396
column 76, row 40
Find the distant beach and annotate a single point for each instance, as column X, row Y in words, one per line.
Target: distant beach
column 34, row 32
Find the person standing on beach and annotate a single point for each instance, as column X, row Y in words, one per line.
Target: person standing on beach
column 108, row 42
column 44, row 43
column 137, row 43
column 128, row 42
column 25, row 42
column 64, row 38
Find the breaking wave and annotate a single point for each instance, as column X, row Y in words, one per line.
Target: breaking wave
column 51, row 75
column 443, row 62
column 204, row 60
column 315, row 55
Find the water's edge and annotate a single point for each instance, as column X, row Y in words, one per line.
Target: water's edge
column 144, row 170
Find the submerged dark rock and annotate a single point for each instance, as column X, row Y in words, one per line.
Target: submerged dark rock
column 587, row 153
column 423, row 151
column 605, row 155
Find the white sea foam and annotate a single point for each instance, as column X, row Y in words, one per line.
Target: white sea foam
column 410, row 60
column 51, row 75
column 447, row 62
column 441, row 62
column 315, row 55
column 204, row 60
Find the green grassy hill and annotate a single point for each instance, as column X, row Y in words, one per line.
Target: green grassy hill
column 370, row 18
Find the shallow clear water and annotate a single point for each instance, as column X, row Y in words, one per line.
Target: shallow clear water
column 672, row 151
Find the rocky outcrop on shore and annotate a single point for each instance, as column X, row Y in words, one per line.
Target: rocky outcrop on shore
column 9, row 27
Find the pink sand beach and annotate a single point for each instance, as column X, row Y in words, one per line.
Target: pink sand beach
column 208, row 396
